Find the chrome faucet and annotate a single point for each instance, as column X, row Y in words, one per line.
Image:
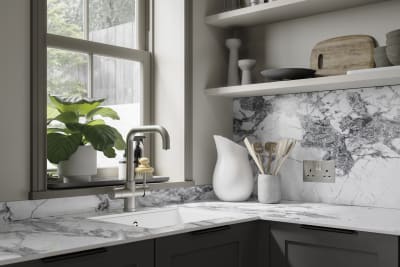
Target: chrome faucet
column 128, row 192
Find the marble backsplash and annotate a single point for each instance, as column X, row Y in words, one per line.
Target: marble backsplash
column 20, row 210
column 359, row 128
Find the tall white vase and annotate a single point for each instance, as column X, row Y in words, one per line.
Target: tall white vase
column 233, row 178
column 233, row 70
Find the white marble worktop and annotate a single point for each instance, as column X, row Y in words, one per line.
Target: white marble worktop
column 39, row 238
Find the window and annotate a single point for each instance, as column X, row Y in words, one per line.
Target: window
column 96, row 48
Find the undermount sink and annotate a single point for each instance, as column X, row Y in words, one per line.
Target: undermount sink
column 163, row 217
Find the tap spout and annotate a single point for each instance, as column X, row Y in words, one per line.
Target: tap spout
column 128, row 192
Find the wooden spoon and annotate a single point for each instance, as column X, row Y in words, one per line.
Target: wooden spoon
column 288, row 149
column 259, row 149
column 252, row 153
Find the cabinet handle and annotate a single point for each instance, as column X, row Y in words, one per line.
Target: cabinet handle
column 211, row 230
column 328, row 229
column 74, row 255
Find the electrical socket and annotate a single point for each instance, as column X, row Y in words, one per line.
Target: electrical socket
column 319, row 171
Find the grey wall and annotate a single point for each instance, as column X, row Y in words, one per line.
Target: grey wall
column 289, row 43
column 169, row 91
column 210, row 115
column 14, row 99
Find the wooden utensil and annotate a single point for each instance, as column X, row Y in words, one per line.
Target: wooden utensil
column 338, row 55
column 259, row 149
column 253, row 155
column 270, row 147
column 287, row 149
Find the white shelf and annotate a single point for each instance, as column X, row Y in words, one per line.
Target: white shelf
column 280, row 10
column 369, row 78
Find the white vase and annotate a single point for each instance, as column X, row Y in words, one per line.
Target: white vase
column 246, row 65
column 269, row 189
column 81, row 166
column 233, row 69
column 233, row 178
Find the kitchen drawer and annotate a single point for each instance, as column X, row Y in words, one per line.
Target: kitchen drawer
column 310, row 246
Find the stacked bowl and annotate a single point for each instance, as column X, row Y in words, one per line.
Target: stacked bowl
column 393, row 47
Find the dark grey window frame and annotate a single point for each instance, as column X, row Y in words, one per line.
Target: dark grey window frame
column 39, row 44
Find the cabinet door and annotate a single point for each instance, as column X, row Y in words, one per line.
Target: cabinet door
column 310, row 246
column 140, row 254
column 226, row 246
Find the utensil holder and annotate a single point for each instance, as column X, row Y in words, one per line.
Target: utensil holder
column 269, row 189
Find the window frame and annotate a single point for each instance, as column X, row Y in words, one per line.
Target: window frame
column 40, row 41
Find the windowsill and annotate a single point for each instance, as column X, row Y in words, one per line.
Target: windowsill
column 103, row 190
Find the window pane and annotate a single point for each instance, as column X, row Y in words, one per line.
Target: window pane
column 65, row 17
column 67, row 73
column 112, row 22
column 119, row 82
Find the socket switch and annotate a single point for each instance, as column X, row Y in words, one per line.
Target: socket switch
column 319, row 171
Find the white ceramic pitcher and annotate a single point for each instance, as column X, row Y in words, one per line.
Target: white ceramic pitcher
column 233, row 178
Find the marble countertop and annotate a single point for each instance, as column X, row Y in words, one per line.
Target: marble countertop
column 39, row 238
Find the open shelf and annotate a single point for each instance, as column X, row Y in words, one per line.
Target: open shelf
column 360, row 79
column 280, row 10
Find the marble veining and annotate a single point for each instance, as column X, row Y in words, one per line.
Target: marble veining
column 35, row 238
column 21, row 210
column 359, row 128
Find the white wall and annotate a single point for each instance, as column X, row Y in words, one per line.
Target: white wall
column 169, row 63
column 289, row 43
column 210, row 115
column 14, row 99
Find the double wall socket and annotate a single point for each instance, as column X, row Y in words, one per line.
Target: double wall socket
column 319, row 171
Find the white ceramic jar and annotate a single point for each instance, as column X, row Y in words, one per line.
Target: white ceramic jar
column 269, row 189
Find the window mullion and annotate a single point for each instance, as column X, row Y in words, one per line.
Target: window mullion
column 90, row 76
column 86, row 19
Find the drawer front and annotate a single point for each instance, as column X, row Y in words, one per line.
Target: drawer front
column 140, row 254
column 226, row 246
column 310, row 246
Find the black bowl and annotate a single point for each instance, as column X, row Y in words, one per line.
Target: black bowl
column 288, row 74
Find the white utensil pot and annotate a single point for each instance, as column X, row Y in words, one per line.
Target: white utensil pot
column 269, row 189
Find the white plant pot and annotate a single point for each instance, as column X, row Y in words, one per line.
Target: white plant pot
column 81, row 166
column 269, row 189
column 233, row 178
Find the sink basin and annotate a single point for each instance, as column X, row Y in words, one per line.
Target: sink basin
column 163, row 217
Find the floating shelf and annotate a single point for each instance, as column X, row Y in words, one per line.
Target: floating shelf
column 359, row 79
column 280, row 10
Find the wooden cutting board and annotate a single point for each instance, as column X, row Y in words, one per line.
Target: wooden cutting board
column 338, row 55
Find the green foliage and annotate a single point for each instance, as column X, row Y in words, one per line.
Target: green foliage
column 76, row 123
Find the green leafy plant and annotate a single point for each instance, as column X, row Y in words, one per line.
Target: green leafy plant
column 75, row 121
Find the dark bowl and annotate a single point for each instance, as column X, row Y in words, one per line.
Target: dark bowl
column 393, row 54
column 393, row 34
column 288, row 74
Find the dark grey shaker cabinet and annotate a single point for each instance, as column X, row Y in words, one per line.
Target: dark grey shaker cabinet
column 309, row 246
column 139, row 254
column 226, row 246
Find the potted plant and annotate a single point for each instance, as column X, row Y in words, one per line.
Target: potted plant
column 75, row 130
